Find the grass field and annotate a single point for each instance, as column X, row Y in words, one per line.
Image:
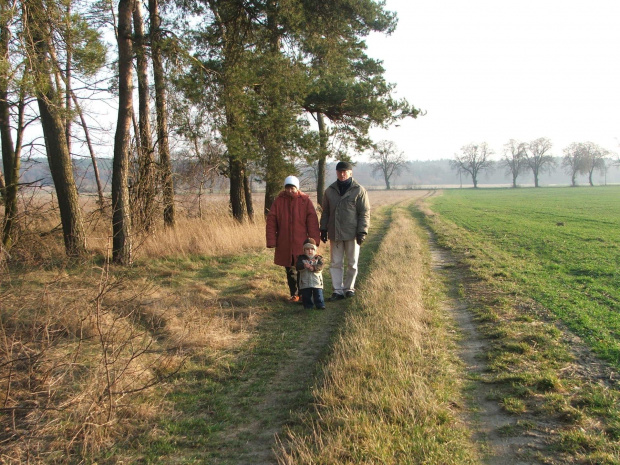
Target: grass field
column 193, row 355
column 560, row 246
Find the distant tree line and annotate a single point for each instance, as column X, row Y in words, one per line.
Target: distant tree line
column 535, row 157
column 194, row 182
column 231, row 86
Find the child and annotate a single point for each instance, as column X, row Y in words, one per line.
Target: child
column 310, row 268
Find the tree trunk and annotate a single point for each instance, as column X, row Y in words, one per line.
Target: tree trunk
column 11, row 163
column 53, row 126
column 247, row 189
column 71, row 97
column 162, row 115
column 320, row 178
column 91, row 150
column 271, row 190
column 10, row 160
column 68, row 74
column 237, row 194
column 62, row 174
column 200, row 190
column 121, row 220
column 145, row 188
column 276, row 169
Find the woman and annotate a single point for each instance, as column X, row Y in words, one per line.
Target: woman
column 290, row 221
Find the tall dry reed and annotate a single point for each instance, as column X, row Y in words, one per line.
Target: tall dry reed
column 216, row 233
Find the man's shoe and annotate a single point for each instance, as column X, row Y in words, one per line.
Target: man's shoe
column 335, row 296
column 294, row 299
column 349, row 294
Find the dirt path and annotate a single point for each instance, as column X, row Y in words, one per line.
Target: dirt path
column 487, row 416
column 527, row 438
column 261, row 414
column 489, row 421
column 283, row 390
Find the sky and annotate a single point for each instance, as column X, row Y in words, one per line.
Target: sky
column 491, row 71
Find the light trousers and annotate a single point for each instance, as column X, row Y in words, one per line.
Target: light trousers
column 338, row 251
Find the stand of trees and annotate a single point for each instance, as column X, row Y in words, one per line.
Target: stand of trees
column 584, row 158
column 248, row 78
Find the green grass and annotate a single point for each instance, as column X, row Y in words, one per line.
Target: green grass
column 533, row 263
column 560, row 246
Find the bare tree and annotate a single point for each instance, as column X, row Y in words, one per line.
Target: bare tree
column 514, row 159
column 573, row 161
column 200, row 170
column 537, row 157
column 386, row 161
column 594, row 157
column 474, row 159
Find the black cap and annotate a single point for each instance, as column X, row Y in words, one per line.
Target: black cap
column 344, row 165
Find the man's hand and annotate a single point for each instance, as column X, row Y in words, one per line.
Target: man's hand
column 324, row 236
column 360, row 238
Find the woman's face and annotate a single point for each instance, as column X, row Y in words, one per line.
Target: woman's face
column 291, row 190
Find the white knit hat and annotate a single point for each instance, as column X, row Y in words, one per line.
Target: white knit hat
column 310, row 244
column 291, row 181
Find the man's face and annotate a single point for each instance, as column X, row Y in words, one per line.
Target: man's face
column 343, row 175
column 291, row 190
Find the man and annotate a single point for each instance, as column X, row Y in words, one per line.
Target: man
column 344, row 221
column 290, row 221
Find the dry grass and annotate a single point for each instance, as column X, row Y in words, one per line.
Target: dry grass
column 38, row 240
column 217, row 233
column 82, row 344
column 76, row 351
column 391, row 380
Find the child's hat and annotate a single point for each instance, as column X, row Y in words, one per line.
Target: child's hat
column 310, row 244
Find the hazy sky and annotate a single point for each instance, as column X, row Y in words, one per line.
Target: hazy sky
column 489, row 71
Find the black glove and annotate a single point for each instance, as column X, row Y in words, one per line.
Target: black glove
column 360, row 238
column 324, row 236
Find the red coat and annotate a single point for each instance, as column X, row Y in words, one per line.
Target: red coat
column 291, row 220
